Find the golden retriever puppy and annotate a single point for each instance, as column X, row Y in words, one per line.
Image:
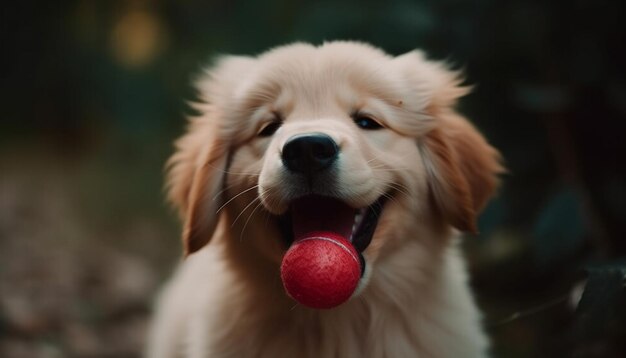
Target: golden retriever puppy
column 360, row 137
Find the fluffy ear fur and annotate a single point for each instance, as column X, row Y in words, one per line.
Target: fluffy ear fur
column 462, row 168
column 196, row 171
column 461, row 165
column 195, row 178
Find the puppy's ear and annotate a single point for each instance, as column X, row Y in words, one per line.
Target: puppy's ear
column 196, row 171
column 462, row 167
column 195, row 179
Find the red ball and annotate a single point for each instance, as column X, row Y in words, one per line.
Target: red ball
column 321, row 270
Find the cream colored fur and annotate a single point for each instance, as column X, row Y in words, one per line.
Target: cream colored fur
column 227, row 300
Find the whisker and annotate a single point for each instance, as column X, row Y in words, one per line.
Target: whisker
column 244, row 210
column 235, row 197
column 383, row 166
column 389, row 197
column 386, row 195
column 223, row 190
column 255, row 174
column 383, row 169
column 400, row 188
column 248, row 220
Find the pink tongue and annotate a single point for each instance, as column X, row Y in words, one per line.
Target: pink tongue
column 316, row 213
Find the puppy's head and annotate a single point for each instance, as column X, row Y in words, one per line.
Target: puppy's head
column 339, row 137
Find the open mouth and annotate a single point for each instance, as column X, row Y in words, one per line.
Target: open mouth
column 319, row 213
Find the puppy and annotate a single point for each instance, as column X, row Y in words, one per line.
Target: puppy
column 375, row 136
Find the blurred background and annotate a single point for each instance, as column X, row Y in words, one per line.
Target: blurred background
column 93, row 93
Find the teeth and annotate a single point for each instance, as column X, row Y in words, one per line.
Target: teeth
column 358, row 217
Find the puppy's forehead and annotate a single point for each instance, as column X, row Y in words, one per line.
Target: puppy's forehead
column 312, row 74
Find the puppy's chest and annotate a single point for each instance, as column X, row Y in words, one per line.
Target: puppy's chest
column 362, row 335
column 282, row 337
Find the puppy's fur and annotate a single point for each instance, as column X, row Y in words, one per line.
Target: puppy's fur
column 228, row 181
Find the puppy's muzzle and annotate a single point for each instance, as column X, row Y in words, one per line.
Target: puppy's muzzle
column 309, row 154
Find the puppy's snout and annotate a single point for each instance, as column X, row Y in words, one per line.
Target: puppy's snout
column 309, row 153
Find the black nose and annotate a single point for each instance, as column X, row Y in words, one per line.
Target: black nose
column 309, row 153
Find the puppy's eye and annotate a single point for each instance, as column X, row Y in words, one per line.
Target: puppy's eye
column 269, row 129
column 365, row 122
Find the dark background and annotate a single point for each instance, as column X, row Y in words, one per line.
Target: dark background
column 93, row 92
